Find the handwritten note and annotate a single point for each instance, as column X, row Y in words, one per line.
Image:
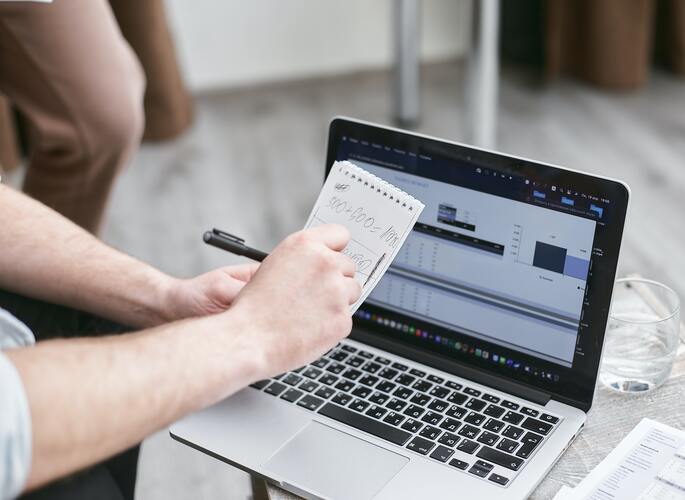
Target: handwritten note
column 378, row 215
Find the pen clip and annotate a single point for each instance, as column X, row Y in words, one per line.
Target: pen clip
column 228, row 236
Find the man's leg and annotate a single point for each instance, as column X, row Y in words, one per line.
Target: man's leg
column 67, row 68
column 114, row 479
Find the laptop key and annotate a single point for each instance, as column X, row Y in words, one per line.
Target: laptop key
column 499, row 458
column 496, row 478
column 432, row 418
column 325, row 392
column 449, row 424
column 475, row 404
column 430, row 432
column 442, row 454
column 405, row 379
column 396, row 404
column 420, row 399
column 348, row 348
column 339, row 356
column 393, row 418
column 549, row 418
column 379, row 398
column 529, row 411
column 371, row 367
column 530, row 442
column 308, row 386
column 537, row 426
column 513, row 418
column 388, row 373
column 488, row 438
column 459, row 464
column 494, row 411
column 365, row 354
column 439, row 392
column 467, row 446
column 376, row 412
column 292, row 379
column 382, row 360
column 438, row 405
column 507, row 445
column 414, row 411
column 385, row 386
column 361, row 391
column 292, row 395
column 456, row 412
column 472, row 392
column 335, row 368
column 435, row 379
column 468, row 431
column 474, row 418
column 493, row 425
column 448, row 439
column 366, row 424
column 420, row 445
column 328, row 379
column 260, row 384
column 490, row 398
column 403, row 392
column 344, row 385
column 275, row 388
column 310, row 402
column 368, row 380
column 512, row 432
column 412, row 425
column 480, row 468
column 454, row 385
column 417, row 373
column 320, row 363
column 457, row 398
column 342, row 398
column 400, row 366
column 311, row 372
column 352, row 374
column 509, row 405
column 358, row 405
column 422, row 385
column 355, row 361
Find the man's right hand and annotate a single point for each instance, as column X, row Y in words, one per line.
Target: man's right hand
column 298, row 302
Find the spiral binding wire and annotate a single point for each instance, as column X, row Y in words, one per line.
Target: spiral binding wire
column 388, row 190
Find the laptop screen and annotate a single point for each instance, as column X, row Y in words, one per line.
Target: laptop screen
column 509, row 267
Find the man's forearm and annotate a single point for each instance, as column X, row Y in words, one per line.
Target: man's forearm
column 92, row 398
column 45, row 256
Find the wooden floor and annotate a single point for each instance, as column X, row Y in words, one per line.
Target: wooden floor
column 253, row 164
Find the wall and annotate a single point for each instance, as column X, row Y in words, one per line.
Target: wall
column 228, row 43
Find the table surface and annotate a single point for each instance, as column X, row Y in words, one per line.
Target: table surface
column 611, row 418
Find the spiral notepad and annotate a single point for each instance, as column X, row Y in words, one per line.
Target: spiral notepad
column 378, row 215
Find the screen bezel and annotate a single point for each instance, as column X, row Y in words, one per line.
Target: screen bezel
column 581, row 392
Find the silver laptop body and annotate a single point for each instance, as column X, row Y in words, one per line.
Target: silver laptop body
column 451, row 385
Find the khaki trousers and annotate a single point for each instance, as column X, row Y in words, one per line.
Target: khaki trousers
column 66, row 67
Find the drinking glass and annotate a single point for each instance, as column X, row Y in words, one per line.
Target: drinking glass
column 642, row 336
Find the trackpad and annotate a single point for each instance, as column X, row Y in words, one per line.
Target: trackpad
column 332, row 464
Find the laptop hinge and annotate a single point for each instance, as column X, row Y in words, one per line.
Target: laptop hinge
column 450, row 366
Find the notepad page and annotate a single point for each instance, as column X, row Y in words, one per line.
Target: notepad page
column 378, row 215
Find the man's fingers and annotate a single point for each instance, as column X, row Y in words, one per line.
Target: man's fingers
column 355, row 289
column 347, row 266
column 334, row 236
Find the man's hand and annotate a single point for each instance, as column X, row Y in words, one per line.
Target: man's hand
column 209, row 293
column 297, row 305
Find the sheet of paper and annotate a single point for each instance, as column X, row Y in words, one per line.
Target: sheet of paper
column 565, row 493
column 649, row 464
column 378, row 215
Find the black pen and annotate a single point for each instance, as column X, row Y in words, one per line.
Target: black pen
column 232, row 244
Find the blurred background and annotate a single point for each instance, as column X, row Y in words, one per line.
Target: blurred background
column 240, row 95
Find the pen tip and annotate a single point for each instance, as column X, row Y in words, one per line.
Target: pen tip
column 207, row 236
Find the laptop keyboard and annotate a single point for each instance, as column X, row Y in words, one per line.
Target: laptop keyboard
column 462, row 427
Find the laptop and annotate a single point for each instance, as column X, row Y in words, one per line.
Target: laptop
column 472, row 365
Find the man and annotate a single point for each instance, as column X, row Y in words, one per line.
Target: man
column 70, row 403
column 67, row 68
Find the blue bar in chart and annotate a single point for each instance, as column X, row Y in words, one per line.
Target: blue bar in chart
column 576, row 268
